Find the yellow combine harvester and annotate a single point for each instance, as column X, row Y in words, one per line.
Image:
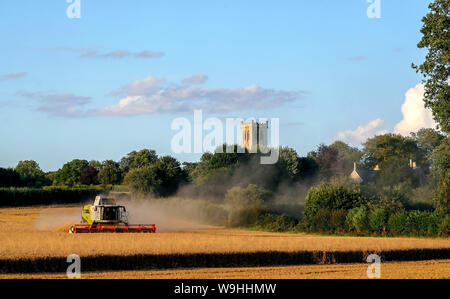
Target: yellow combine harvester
column 106, row 216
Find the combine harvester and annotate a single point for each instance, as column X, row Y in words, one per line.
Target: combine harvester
column 106, row 216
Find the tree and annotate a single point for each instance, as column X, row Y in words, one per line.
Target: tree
column 308, row 168
column 358, row 218
column 222, row 159
column 89, row 176
column 126, row 162
column 393, row 198
column 50, row 176
column 436, row 67
column 143, row 180
column 385, row 147
column 144, row 158
column 334, row 160
column 250, row 196
column 31, row 174
column 96, row 164
column 218, row 165
column 326, row 157
column 70, row 173
column 331, row 198
column 428, row 140
column 190, row 167
column 139, row 159
column 347, row 156
column 110, row 173
column 441, row 165
column 170, row 174
column 9, row 178
column 289, row 164
column 395, row 171
column 162, row 178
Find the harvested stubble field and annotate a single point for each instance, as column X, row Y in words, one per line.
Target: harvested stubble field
column 439, row 269
column 34, row 240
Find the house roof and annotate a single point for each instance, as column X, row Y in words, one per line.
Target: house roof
column 366, row 175
column 363, row 175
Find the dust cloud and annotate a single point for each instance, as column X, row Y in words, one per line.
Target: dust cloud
column 169, row 215
column 58, row 218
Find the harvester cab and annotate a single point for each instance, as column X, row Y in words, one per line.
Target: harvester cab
column 105, row 215
column 104, row 211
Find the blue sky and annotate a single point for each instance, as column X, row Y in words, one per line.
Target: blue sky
column 323, row 67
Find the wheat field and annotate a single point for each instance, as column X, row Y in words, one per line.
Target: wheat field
column 439, row 269
column 42, row 232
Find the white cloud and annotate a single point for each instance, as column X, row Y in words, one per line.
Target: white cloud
column 415, row 115
column 155, row 95
column 152, row 95
column 148, row 54
column 117, row 54
column 12, row 76
column 197, row 79
column 362, row 133
column 63, row 105
column 140, row 87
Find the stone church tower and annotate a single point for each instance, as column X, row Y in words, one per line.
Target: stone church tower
column 254, row 134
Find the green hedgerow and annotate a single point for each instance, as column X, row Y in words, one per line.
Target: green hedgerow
column 276, row 223
column 245, row 217
column 358, row 218
column 397, row 223
column 378, row 219
column 332, row 198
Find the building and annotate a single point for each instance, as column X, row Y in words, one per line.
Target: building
column 361, row 175
column 418, row 172
column 254, row 134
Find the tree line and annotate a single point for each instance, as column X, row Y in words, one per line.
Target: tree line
column 144, row 172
